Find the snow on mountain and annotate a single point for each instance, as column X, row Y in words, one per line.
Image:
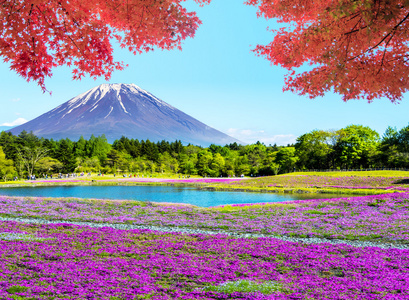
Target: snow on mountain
column 122, row 109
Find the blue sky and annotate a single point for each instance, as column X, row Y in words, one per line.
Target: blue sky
column 215, row 79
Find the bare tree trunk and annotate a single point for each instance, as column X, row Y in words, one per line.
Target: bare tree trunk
column 30, row 157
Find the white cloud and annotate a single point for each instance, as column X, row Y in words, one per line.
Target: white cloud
column 251, row 136
column 16, row 122
column 279, row 139
column 15, row 100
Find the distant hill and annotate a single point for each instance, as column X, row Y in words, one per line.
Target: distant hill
column 122, row 109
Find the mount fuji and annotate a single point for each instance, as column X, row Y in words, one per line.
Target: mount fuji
column 122, row 110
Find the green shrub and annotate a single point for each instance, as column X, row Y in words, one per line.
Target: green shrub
column 17, row 289
column 245, row 286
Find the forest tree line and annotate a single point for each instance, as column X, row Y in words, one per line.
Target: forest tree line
column 352, row 147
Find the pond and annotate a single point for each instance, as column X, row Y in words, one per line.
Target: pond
column 186, row 195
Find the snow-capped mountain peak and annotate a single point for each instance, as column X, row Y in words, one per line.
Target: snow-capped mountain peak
column 122, row 109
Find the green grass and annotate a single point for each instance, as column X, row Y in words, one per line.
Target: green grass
column 17, row 289
column 246, row 286
column 248, row 187
column 364, row 182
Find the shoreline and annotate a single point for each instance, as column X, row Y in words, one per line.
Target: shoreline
column 207, row 184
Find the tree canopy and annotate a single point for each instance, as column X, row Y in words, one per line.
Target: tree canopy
column 38, row 35
column 358, row 49
column 352, row 147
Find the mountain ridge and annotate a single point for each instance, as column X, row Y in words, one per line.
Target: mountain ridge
column 122, row 110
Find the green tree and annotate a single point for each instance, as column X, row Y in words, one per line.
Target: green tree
column 150, row 150
column 139, row 165
column 275, row 168
column 65, row 154
column 30, row 156
column 217, row 165
column 113, row 157
column 48, row 164
column 7, row 169
column 80, row 147
column 313, row 149
column 229, row 162
column 51, row 146
column 99, row 147
column 25, row 139
column 177, row 147
column 204, row 159
column 242, row 165
column 124, row 162
column 188, row 163
column 257, row 155
column 403, row 139
column 92, row 164
column 151, row 166
column 286, row 158
column 10, row 146
column 356, row 146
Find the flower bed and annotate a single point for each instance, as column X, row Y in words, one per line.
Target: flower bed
column 180, row 180
column 306, row 181
column 383, row 218
column 74, row 262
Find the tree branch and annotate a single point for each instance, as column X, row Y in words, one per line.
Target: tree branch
column 392, row 32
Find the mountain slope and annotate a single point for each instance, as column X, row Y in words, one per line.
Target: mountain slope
column 122, row 109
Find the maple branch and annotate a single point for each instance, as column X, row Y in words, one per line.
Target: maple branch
column 45, row 19
column 79, row 50
column 69, row 15
column 40, row 35
column 353, row 17
column 400, row 57
column 349, row 39
column 356, row 30
column 355, row 78
column 140, row 23
column 65, row 26
column 392, row 32
column 359, row 21
column 379, row 8
column 383, row 56
column 127, row 10
column 31, row 11
column 19, row 8
column 150, row 12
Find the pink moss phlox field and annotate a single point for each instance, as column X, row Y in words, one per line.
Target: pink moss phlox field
column 104, row 263
column 145, row 180
column 53, row 181
column 180, row 180
column 378, row 217
column 397, row 188
column 299, row 181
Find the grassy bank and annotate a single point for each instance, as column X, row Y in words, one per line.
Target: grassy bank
column 356, row 183
column 328, row 182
